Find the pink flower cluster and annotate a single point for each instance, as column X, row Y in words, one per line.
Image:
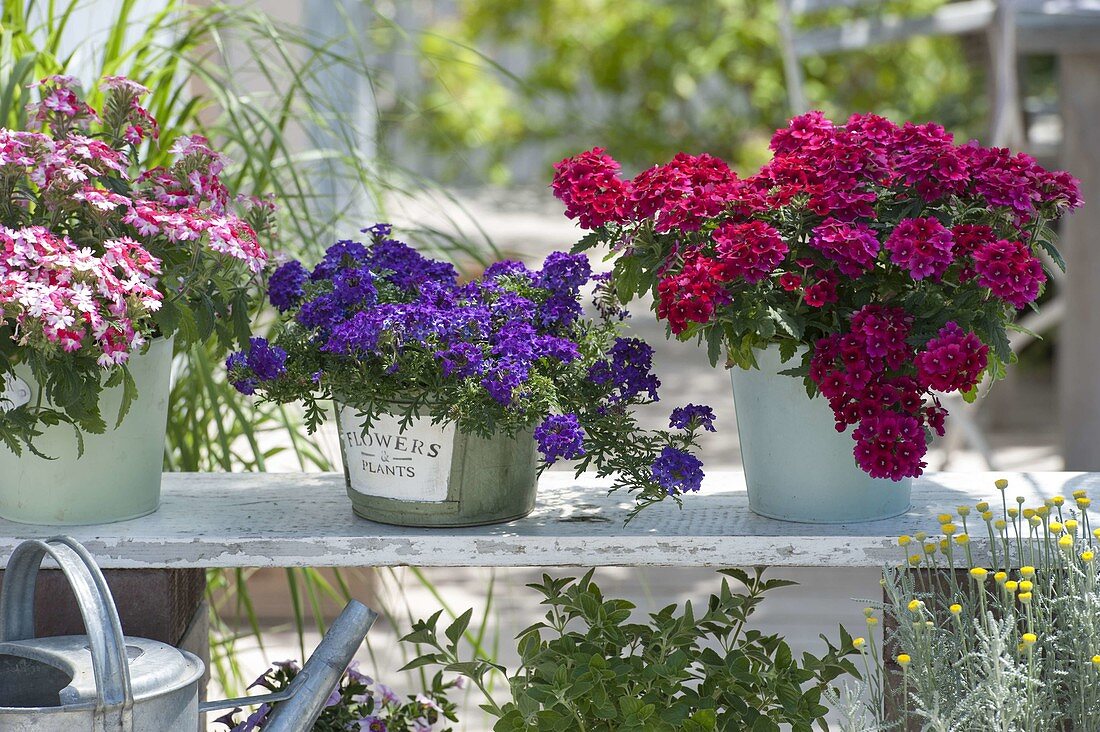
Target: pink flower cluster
column 863, row 374
column 61, row 296
column 75, row 179
column 923, row 247
column 952, row 361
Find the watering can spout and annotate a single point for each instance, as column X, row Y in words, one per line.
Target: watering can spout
column 301, row 703
column 312, row 686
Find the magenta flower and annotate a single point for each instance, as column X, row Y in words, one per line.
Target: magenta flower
column 921, row 246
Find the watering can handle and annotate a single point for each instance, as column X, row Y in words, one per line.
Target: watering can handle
column 97, row 607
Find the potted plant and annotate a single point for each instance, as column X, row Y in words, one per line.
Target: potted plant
column 444, row 390
column 1012, row 643
column 880, row 265
column 104, row 262
column 358, row 703
column 591, row 665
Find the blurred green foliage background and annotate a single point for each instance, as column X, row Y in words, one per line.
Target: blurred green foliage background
column 648, row 78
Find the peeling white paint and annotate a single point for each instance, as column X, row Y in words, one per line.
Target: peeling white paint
column 296, row 519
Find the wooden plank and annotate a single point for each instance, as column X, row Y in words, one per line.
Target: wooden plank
column 954, row 19
column 1079, row 336
column 296, row 519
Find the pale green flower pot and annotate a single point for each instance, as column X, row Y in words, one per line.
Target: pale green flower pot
column 429, row 475
column 797, row 466
column 117, row 477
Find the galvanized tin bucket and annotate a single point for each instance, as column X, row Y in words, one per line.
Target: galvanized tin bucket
column 105, row 682
column 797, row 466
column 429, row 475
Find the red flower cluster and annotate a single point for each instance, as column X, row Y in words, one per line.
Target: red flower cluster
column 590, row 188
column 691, row 296
column 849, row 230
column 751, row 249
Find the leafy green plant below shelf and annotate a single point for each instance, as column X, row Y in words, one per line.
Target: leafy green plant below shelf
column 590, row 666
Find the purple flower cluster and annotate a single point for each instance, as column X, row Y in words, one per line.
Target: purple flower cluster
column 692, row 415
column 560, row 436
column 628, row 370
column 262, row 362
column 677, row 471
column 284, row 288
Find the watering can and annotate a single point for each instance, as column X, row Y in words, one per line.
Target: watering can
column 105, row 682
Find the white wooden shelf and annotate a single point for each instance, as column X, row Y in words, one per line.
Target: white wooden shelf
column 297, row 519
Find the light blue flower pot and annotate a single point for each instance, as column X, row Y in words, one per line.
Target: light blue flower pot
column 797, row 466
column 117, row 477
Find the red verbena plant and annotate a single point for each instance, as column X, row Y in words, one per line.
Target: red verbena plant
column 101, row 251
column 890, row 257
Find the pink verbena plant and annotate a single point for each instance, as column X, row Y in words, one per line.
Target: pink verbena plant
column 892, row 258
column 100, row 252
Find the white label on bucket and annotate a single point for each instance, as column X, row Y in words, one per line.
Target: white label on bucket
column 16, row 393
column 413, row 464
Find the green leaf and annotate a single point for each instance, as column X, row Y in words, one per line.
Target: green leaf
column 455, row 630
column 129, row 394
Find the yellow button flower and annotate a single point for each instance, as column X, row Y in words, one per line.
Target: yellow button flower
column 987, row 515
column 1027, row 571
column 944, row 545
column 858, row 643
column 1025, row 597
column 1083, row 503
column 956, row 609
column 949, row 528
column 999, row 524
column 982, row 507
column 1025, row 586
column 1058, row 500
column 872, row 620
column 930, row 548
column 962, row 539
column 1066, row 542
column 1001, row 484
column 1035, row 521
column 1055, row 528
column 868, row 612
column 1029, row 639
column 904, row 540
column 1080, row 493
column 915, row 606
column 1000, row 577
column 1029, row 513
column 1042, row 511
column 979, row 573
column 920, row 535
column 1071, row 526
column 1011, row 585
column 1087, row 556
column 1013, row 513
column 903, row 659
column 1096, row 661
column 944, row 518
column 1096, row 533
column 914, row 559
column 963, row 511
